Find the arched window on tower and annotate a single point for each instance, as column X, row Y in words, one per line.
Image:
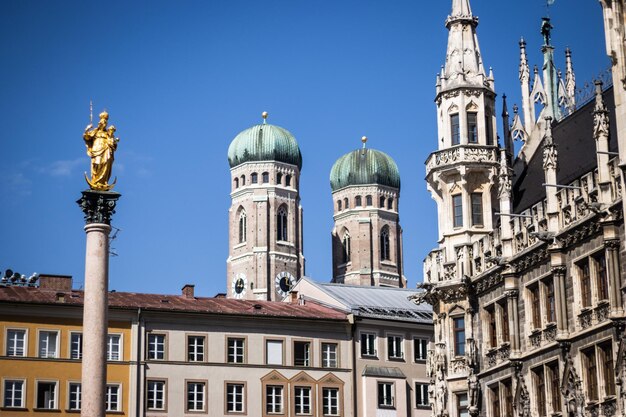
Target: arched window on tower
column 338, row 205
column 368, row 200
column 346, row 248
column 236, row 182
column 281, row 224
column 382, row 202
column 346, row 203
column 243, row 180
column 288, row 180
column 242, row 226
column 279, row 178
column 357, row 201
column 265, row 177
column 390, row 203
column 254, row 178
column 384, row 244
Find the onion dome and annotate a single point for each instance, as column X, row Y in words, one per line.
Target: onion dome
column 364, row 166
column 264, row 142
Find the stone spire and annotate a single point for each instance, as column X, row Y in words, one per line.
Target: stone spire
column 528, row 109
column 570, row 81
column 550, row 78
column 506, row 130
column 464, row 65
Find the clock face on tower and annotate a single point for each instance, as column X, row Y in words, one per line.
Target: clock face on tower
column 283, row 282
column 239, row 286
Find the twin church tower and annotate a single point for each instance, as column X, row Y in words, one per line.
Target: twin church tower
column 266, row 250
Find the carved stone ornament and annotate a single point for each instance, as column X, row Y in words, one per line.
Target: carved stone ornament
column 550, row 156
column 521, row 401
column 98, row 206
column 600, row 115
column 571, row 388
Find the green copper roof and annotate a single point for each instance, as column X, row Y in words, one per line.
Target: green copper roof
column 264, row 142
column 364, row 166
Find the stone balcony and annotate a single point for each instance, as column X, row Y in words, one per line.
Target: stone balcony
column 461, row 155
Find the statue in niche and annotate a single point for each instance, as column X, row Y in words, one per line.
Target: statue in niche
column 441, row 394
column 473, row 392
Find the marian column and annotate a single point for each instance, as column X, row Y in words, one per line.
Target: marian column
column 98, row 205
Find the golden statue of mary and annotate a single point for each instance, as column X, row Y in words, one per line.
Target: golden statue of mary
column 101, row 145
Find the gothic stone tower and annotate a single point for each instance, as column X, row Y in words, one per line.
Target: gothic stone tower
column 367, row 237
column 265, row 217
column 461, row 172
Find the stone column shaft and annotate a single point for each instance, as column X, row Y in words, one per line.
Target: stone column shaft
column 514, row 331
column 560, row 299
column 95, row 320
column 612, row 262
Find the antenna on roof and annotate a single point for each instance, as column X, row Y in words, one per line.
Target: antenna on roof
column 112, row 237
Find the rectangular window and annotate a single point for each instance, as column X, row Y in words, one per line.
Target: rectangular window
column 608, row 369
column 585, row 283
column 591, row 370
column 472, row 127
column 301, row 353
column 535, row 301
column 368, row 344
column 156, row 346
column 491, row 321
column 495, row 400
column 459, row 336
column 16, row 342
column 235, row 398
column 555, row 387
column 488, row 128
column 274, row 399
column 455, row 129
column 540, row 391
column 74, row 396
column 550, row 301
column 302, row 400
column 504, row 319
column 394, row 347
column 421, row 394
column 266, row 177
column 155, row 395
column 195, row 396
column 385, row 395
column 507, row 397
column 330, row 401
column 47, row 395
column 457, row 205
column 254, row 178
column 602, row 280
column 112, row 398
column 477, row 209
column 113, row 347
column 195, row 348
column 329, row 355
column 236, row 350
column 462, row 405
column 13, row 393
column 76, row 346
column 420, row 349
column 48, row 344
column 274, row 352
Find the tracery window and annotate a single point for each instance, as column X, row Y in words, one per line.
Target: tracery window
column 384, row 244
column 346, row 248
column 242, row 226
column 281, row 224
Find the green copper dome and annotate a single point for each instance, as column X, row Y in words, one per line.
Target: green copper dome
column 264, row 142
column 364, row 166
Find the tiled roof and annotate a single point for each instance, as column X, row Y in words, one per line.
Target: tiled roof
column 383, row 372
column 175, row 303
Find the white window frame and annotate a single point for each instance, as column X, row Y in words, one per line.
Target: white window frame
column 397, row 342
column 236, row 391
column 22, row 399
column 113, row 391
column 422, row 388
column 79, row 395
column 301, row 401
column 374, row 338
column 277, row 395
column 24, row 341
column 420, row 347
column 199, row 400
column 78, row 353
column 330, row 357
column 307, row 353
column 47, row 343
column 110, row 338
column 55, row 400
column 196, row 351
column 330, row 402
column 159, row 388
column 153, row 347
column 388, row 398
column 238, row 347
column 274, row 342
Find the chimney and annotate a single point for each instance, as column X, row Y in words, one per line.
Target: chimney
column 55, row 282
column 294, row 297
column 188, row 291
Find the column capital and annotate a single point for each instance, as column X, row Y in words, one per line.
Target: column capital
column 558, row 269
column 612, row 243
column 98, row 206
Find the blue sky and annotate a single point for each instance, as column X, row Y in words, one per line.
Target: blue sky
column 181, row 78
